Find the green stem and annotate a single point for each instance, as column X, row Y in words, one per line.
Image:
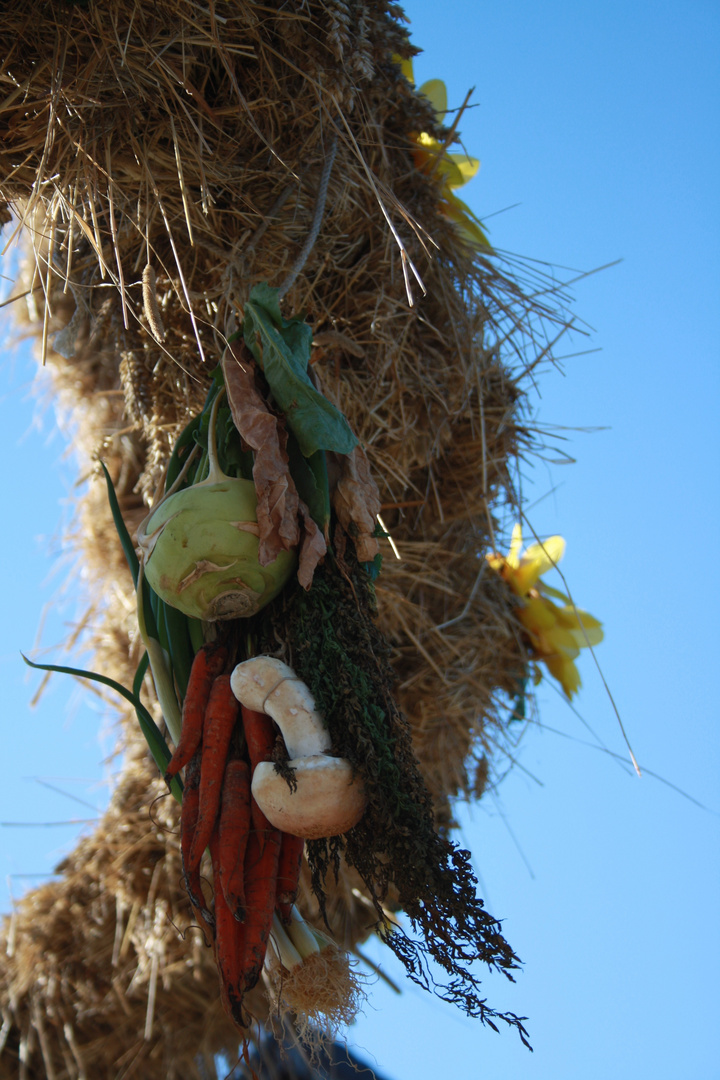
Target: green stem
column 215, row 473
column 302, row 935
column 153, row 736
column 288, row 955
column 160, row 668
column 197, row 634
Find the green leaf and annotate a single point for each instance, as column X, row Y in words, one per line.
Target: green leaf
column 153, row 736
column 178, row 647
column 372, row 569
column 233, row 459
column 197, row 637
column 183, row 446
column 154, row 615
column 265, row 296
column 129, row 550
column 311, row 481
column 318, row 468
column 140, row 674
column 519, row 701
column 159, row 658
column 282, row 349
column 158, row 749
column 123, row 534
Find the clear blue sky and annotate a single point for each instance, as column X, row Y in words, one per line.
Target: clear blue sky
column 601, row 123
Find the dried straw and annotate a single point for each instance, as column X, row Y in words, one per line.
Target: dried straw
column 159, row 160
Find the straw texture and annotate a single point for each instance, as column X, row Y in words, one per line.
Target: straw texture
column 159, row 160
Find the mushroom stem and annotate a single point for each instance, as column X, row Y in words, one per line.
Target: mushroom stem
column 267, row 685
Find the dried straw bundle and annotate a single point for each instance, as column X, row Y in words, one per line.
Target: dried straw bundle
column 161, row 160
column 100, row 967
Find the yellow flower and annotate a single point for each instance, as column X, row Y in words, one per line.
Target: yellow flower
column 556, row 632
column 453, row 170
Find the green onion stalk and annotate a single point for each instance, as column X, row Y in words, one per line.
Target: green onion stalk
column 311, row 977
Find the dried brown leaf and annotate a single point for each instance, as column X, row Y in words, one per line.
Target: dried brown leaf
column 356, row 501
column 284, row 521
column 312, row 546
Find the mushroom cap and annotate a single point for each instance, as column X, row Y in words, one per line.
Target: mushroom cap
column 329, row 798
column 267, row 685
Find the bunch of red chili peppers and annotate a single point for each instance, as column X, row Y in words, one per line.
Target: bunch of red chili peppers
column 256, row 868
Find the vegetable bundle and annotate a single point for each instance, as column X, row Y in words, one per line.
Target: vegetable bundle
column 253, row 549
column 345, row 778
column 256, row 866
column 247, row 504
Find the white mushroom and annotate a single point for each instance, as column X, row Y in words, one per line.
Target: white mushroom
column 329, row 798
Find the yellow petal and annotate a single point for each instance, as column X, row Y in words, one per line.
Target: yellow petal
column 436, row 92
column 452, row 177
column 586, row 636
column 442, row 164
column 513, row 555
column 547, row 554
column 497, row 562
column 540, row 617
column 538, row 559
column 527, row 574
column 406, row 66
column 469, row 226
column 537, row 616
column 560, row 640
column 585, row 628
column 566, row 674
column 546, row 590
column 594, row 637
column 466, row 166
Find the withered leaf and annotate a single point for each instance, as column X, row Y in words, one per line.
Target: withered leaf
column 284, row 521
column 356, row 501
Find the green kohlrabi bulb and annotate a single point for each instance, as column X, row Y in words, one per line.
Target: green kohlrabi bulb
column 200, row 552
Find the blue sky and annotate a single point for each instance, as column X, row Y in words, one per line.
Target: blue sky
column 599, row 125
